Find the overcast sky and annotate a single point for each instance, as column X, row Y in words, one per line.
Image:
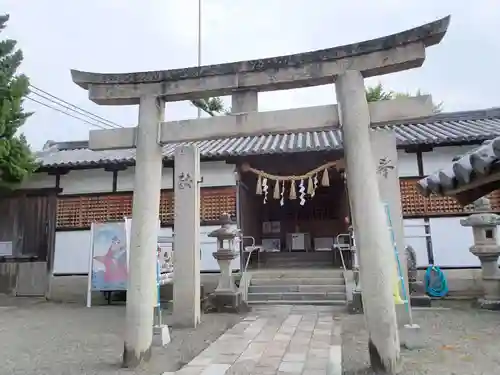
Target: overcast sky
column 133, row 35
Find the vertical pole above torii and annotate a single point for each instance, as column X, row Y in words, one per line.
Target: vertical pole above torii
column 370, row 223
column 144, row 234
column 244, row 102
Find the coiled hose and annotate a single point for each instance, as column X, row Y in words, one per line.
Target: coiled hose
column 436, row 284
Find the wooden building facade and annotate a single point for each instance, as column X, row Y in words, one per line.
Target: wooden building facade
column 98, row 186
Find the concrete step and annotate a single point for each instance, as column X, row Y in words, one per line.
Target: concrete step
column 296, row 288
column 316, row 261
column 300, row 302
column 319, row 255
column 296, row 265
column 286, row 260
column 298, row 273
column 296, row 296
column 275, row 281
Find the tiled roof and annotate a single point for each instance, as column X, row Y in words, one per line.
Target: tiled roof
column 446, row 128
column 478, row 163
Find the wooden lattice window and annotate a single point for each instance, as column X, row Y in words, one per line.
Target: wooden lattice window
column 167, row 207
column 215, row 202
column 437, row 205
column 81, row 211
column 415, row 204
column 69, row 212
column 119, row 206
column 495, row 200
column 76, row 212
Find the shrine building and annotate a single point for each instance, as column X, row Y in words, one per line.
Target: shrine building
column 287, row 191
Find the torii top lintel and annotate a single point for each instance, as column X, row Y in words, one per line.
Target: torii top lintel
column 400, row 51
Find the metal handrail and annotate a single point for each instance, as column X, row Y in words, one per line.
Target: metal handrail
column 341, row 247
column 243, row 281
column 248, row 237
column 250, row 252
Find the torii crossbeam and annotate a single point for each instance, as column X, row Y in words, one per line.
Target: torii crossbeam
column 346, row 66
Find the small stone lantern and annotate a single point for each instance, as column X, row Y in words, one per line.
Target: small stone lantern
column 484, row 228
column 226, row 296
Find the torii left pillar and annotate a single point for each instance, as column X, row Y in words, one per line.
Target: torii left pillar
column 141, row 288
column 144, row 234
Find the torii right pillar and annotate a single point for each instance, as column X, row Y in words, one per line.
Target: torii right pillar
column 371, row 230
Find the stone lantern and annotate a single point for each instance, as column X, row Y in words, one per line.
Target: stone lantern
column 226, row 297
column 484, row 228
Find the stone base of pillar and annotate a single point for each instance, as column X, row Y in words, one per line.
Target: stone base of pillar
column 422, row 300
column 228, row 301
column 488, row 304
column 418, row 298
column 411, row 337
column 355, row 306
column 161, row 335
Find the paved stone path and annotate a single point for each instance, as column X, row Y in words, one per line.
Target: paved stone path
column 275, row 340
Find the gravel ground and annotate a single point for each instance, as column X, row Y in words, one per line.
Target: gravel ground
column 459, row 341
column 43, row 338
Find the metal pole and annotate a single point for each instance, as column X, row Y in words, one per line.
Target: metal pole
column 199, row 44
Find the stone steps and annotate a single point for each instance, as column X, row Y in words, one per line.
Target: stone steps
column 300, row 302
column 296, row 296
column 300, row 255
column 298, row 260
column 269, row 281
column 297, row 265
column 296, row 288
column 303, row 273
column 303, row 286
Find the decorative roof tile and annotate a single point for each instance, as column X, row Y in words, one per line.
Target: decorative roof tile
column 473, row 165
column 442, row 129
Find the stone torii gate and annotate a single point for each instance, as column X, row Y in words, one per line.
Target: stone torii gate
column 346, row 66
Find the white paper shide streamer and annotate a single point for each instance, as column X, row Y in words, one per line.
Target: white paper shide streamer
column 302, row 191
column 265, row 189
column 315, row 180
column 282, row 200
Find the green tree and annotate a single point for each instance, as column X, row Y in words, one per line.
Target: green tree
column 215, row 106
column 377, row 93
column 212, row 106
column 16, row 159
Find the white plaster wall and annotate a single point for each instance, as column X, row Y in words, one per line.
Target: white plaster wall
column 442, row 157
column 87, row 181
column 39, row 181
column 414, row 236
column 217, row 173
column 451, row 242
column 407, row 164
column 208, row 246
column 125, row 180
column 214, row 173
column 72, row 251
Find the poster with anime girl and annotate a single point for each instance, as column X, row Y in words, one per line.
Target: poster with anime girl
column 109, row 257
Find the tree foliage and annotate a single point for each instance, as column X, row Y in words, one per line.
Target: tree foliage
column 16, row 160
column 215, row 106
column 212, row 106
column 377, row 93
